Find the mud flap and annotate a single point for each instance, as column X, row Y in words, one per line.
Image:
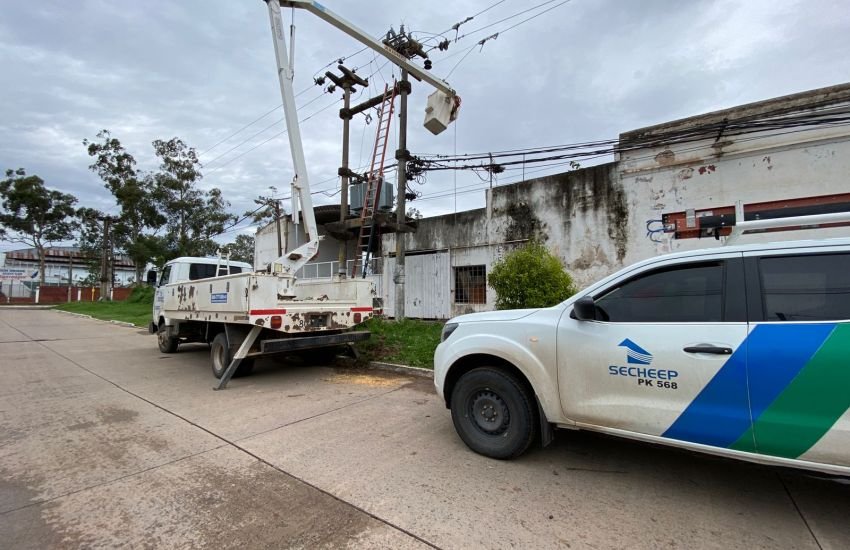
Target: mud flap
column 547, row 432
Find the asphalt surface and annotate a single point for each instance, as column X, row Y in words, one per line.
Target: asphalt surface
column 105, row 442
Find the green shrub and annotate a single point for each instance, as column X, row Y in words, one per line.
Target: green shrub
column 142, row 294
column 530, row 277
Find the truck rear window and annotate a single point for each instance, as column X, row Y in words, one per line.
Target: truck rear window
column 205, row 271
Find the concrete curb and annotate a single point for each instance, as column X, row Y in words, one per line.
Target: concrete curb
column 112, row 321
column 402, row 369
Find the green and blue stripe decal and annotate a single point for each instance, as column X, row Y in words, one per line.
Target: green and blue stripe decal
column 798, row 377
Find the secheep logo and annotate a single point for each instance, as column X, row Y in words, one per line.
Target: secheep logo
column 645, row 375
column 635, row 354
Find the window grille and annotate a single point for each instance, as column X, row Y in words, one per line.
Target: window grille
column 471, row 284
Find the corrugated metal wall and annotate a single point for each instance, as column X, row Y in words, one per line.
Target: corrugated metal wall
column 427, row 286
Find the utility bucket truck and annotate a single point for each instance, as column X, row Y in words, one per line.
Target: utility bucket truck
column 244, row 313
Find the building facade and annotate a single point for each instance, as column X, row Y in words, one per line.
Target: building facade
column 665, row 190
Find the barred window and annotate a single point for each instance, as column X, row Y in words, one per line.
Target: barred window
column 471, row 284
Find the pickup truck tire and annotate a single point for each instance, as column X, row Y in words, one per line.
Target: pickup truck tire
column 220, row 356
column 167, row 342
column 494, row 413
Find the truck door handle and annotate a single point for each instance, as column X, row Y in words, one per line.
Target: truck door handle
column 707, row 348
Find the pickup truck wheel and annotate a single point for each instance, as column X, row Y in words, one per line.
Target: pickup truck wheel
column 493, row 413
column 167, row 343
column 220, row 356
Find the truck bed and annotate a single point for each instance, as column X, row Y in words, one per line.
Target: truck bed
column 270, row 301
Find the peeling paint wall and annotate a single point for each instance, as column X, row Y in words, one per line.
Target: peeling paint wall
column 582, row 216
column 721, row 170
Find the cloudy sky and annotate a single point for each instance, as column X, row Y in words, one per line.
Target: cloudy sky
column 202, row 70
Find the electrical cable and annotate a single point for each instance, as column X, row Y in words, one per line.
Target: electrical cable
column 275, row 123
column 487, row 26
column 219, row 167
column 264, row 115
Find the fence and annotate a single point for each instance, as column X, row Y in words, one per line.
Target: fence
column 31, row 292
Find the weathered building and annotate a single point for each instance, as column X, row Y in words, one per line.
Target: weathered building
column 666, row 183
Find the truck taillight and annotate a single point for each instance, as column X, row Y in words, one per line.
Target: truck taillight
column 357, row 317
column 276, row 321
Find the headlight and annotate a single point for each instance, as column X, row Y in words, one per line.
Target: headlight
column 448, row 329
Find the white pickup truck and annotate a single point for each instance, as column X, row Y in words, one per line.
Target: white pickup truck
column 228, row 304
column 739, row 351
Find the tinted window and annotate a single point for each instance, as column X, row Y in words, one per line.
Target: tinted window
column 205, row 271
column 687, row 294
column 806, row 288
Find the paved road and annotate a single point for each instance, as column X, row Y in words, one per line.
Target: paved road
column 105, row 442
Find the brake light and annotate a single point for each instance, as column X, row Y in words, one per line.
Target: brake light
column 276, row 321
column 357, row 317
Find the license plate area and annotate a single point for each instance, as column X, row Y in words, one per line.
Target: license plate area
column 318, row 320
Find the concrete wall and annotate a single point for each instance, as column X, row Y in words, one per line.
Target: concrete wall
column 771, row 165
column 581, row 216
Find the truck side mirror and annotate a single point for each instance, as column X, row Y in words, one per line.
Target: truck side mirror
column 585, row 309
column 151, row 278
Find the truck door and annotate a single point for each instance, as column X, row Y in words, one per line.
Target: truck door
column 664, row 357
column 159, row 296
column 798, row 352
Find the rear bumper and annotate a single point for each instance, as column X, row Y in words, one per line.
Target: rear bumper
column 308, row 342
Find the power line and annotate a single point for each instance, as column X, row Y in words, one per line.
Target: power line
column 468, row 51
column 256, row 120
column 496, row 35
column 479, row 29
column 219, row 167
column 533, row 16
column 275, row 123
column 457, row 25
column 282, row 132
column 589, row 150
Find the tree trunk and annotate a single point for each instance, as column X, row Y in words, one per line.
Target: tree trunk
column 40, row 251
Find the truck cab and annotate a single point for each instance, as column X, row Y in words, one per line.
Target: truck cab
column 188, row 268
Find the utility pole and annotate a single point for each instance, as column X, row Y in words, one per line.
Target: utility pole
column 401, row 214
column 276, row 206
column 346, row 82
column 70, row 272
column 104, row 259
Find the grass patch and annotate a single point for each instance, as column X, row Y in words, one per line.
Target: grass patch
column 408, row 342
column 136, row 309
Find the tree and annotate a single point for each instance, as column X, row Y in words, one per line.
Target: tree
column 193, row 216
column 268, row 208
column 90, row 242
column 34, row 215
column 530, row 277
column 134, row 193
column 242, row 249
